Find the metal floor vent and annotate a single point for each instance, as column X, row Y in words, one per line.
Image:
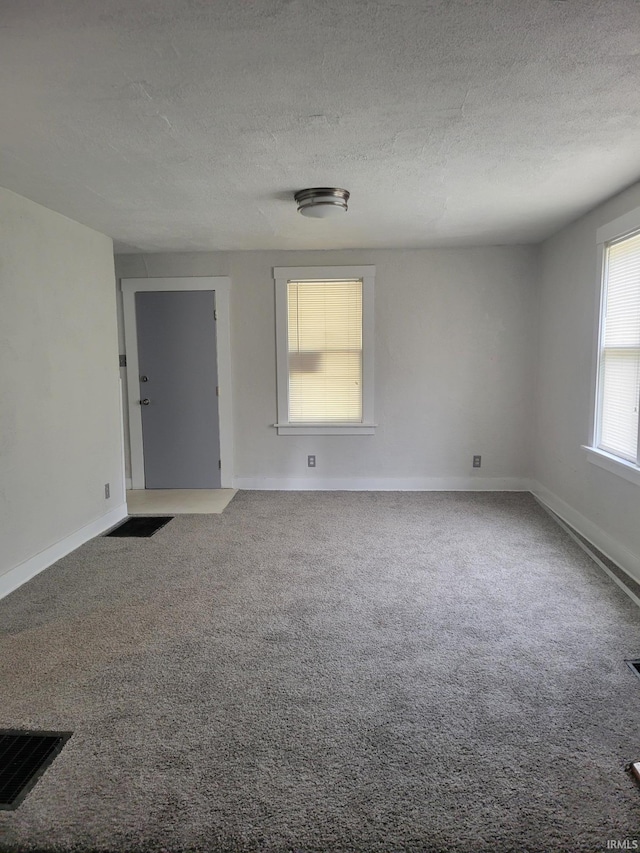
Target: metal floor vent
column 24, row 756
column 140, row 526
column 634, row 666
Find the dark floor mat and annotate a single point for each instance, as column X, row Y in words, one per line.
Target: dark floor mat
column 140, row 526
column 24, row 756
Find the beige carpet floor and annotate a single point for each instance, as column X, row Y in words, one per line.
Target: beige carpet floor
column 329, row 672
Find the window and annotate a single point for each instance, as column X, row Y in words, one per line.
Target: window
column 616, row 444
column 619, row 373
column 324, row 330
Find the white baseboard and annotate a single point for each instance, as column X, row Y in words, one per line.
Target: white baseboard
column 621, row 556
column 15, row 577
column 384, row 484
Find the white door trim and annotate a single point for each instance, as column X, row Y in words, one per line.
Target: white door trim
column 222, row 287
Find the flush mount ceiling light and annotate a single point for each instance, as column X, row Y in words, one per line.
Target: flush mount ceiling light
column 321, row 202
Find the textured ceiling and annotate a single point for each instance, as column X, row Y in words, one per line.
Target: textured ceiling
column 182, row 125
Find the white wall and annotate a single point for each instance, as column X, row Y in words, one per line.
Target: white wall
column 599, row 504
column 454, row 362
column 60, row 435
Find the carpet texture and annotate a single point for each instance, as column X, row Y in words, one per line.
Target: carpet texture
column 321, row 672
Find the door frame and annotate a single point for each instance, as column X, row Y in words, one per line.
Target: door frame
column 222, row 287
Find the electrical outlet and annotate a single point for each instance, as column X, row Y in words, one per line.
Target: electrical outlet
column 107, row 491
column 311, row 461
column 477, row 461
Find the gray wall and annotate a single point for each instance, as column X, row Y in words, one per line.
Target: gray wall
column 60, row 434
column 601, row 504
column 454, row 362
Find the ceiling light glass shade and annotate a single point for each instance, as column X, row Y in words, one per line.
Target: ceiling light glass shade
column 322, row 202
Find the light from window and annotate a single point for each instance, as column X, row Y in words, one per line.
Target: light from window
column 325, row 351
column 619, row 365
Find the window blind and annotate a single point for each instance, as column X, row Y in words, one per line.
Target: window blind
column 325, row 351
column 620, row 350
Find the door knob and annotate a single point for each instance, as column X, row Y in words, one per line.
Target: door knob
column 144, row 379
column 145, row 402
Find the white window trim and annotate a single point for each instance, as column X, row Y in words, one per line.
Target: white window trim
column 614, row 230
column 613, row 464
column 282, row 275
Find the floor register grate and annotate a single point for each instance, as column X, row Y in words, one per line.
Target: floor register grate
column 634, row 666
column 140, row 525
column 24, row 756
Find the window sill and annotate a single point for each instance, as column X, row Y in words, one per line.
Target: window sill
column 326, row 429
column 626, row 470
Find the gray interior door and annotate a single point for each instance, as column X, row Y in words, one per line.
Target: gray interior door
column 178, row 379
